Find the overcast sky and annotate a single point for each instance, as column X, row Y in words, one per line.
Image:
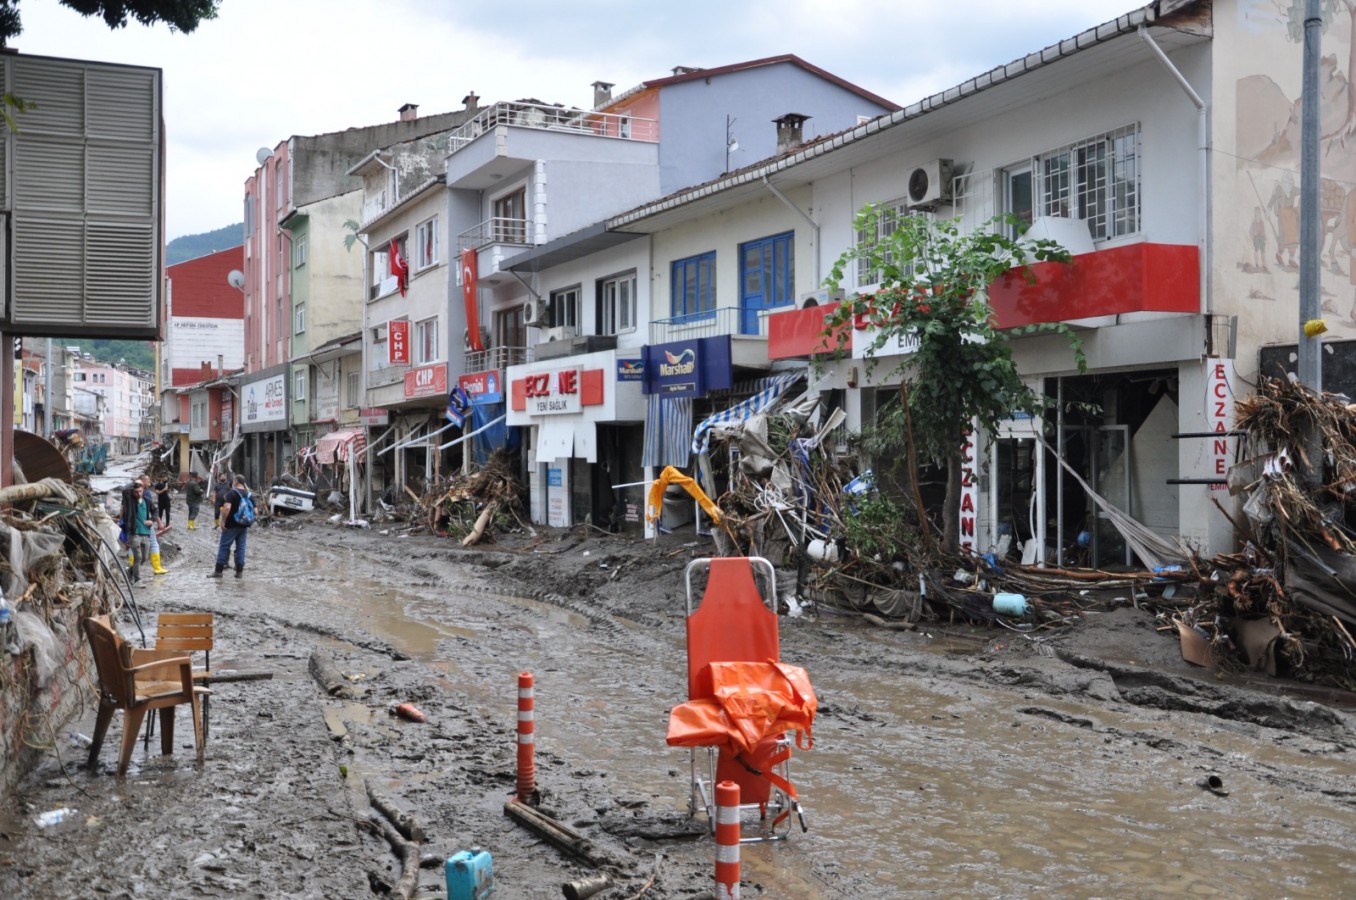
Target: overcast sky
column 268, row 69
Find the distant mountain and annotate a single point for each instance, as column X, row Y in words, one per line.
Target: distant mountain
column 191, row 246
column 138, row 354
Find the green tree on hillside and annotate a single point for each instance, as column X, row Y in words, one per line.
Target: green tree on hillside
column 180, row 15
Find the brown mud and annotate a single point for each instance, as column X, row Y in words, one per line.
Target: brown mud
column 948, row 760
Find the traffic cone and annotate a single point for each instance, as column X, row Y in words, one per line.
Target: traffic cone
column 155, row 565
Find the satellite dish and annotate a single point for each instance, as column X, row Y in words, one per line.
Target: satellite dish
column 263, row 154
column 236, row 279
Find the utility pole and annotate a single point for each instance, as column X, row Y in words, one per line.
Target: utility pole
column 1310, row 368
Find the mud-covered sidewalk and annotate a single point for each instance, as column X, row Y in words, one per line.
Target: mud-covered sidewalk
column 983, row 762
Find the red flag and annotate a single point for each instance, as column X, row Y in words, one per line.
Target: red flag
column 468, row 293
column 399, row 268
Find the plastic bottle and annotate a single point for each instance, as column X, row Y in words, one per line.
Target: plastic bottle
column 54, row 817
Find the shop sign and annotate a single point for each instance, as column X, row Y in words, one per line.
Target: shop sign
column 482, row 387
column 265, row 400
column 426, row 381
column 553, row 393
column 398, row 342
column 630, row 370
column 688, row 368
column 374, row 416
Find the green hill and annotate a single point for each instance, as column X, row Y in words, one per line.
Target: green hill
column 138, row 354
column 191, row 246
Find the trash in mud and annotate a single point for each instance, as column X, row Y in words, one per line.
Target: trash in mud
column 409, row 712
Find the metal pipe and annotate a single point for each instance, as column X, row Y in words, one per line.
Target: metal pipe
column 1310, row 370
column 814, row 227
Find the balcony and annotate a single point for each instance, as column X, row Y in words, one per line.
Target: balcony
column 498, row 230
column 496, row 358
column 543, row 117
column 731, row 320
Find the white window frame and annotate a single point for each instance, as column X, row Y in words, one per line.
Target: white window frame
column 1096, row 180
column 353, row 386
column 301, row 251
column 563, row 308
column 299, row 380
column 426, row 239
column 299, row 318
column 426, row 341
column 617, row 313
column 890, row 214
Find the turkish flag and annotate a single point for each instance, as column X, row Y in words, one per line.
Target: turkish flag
column 468, row 296
column 399, row 268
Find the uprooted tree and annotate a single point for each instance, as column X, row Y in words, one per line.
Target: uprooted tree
column 933, row 296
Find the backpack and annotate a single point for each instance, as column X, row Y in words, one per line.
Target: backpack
column 244, row 515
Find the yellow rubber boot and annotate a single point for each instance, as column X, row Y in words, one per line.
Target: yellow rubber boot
column 192, row 525
column 131, row 559
column 155, row 565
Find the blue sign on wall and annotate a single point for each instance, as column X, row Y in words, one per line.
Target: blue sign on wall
column 630, row 370
column 554, row 477
column 688, row 368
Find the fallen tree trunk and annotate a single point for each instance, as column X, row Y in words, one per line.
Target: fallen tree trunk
column 407, row 824
column 556, row 833
column 408, row 851
column 330, row 679
column 481, row 522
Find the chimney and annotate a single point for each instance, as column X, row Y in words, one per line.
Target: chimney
column 409, row 112
column 472, row 102
column 789, row 131
column 602, row 93
column 685, row 70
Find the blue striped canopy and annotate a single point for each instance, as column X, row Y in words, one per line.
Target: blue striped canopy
column 769, row 389
column 668, row 423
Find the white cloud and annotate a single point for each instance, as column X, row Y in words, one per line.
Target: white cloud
column 268, row 69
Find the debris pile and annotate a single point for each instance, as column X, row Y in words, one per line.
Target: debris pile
column 1286, row 603
column 468, row 507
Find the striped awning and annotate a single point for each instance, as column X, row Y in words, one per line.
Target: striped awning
column 338, row 445
column 768, row 390
column 668, row 431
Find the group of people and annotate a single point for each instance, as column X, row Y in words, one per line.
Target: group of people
column 145, row 505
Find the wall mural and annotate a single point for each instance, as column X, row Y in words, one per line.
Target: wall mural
column 1267, row 151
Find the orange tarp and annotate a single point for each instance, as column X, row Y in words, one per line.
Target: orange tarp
column 654, row 506
column 751, row 702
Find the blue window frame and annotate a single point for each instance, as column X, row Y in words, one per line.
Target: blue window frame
column 767, row 275
column 694, row 287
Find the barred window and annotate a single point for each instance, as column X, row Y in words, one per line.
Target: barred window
column 885, row 225
column 1096, row 180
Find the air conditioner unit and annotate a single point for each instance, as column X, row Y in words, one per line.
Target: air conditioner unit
column 560, row 333
column 930, row 184
column 534, row 311
column 821, row 297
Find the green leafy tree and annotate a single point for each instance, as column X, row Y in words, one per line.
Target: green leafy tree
column 934, row 282
column 180, row 15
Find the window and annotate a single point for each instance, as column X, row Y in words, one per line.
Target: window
column 509, row 224
column 301, row 251
column 383, row 282
column 299, row 385
column 1096, row 180
column 886, row 223
column 768, row 270
column 694, row 286
column 617, row 304
column 624, row 127
column 299, row 316
column 509, row 328
column 563, row 308
column 426, row 244
column 1017, row 200
column 353, row 386
column 79, row 376
column 426, row 340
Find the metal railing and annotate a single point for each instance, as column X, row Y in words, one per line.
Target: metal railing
column 555, row 118
column 725, row 320
column 498, row 230
column 496, row 358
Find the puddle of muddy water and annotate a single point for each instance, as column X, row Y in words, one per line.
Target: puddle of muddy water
column 913, row 786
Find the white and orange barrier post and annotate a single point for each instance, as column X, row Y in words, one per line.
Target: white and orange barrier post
column 527, row 739
column 727, row 841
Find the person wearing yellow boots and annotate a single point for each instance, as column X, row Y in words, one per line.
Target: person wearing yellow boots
column 154, row 536
column 193, row 495
column 138, row 536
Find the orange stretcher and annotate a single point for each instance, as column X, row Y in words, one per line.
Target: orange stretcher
column 745, row 707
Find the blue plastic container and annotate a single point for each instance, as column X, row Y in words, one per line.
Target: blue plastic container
column 470, row 875
column 1009, row 604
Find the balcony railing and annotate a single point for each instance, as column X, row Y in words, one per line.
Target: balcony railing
column 496, row 358
column 555, row 118
column 725, row 320
column 498, row 230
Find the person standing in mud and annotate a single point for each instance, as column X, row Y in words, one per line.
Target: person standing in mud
column 157, row 529
column 193, row 494
column 219, row 496
column 162, row 500
column 233, row 531
column 140, row 527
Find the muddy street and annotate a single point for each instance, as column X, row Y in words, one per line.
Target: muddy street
column 976, row 763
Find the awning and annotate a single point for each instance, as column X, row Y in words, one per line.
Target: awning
column 668, row 430
column 769, row 389
column 555, row 440
column 337, row 445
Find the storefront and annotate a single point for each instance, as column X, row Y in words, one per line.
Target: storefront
column 264, row 424
column 586, row 416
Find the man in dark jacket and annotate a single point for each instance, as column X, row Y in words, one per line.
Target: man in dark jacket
column 233, row 531
column 193, row 494
column 219, row 496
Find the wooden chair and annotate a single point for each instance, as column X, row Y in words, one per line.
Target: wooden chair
column 136, row 681
column 187, row 633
